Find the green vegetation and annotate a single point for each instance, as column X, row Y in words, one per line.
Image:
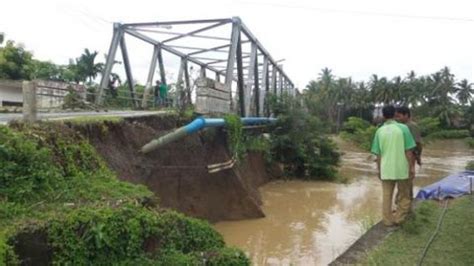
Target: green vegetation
column 358, row 131
column 235, row 136
column 438, row 102
column 470, row 142
column 470, row 165
column 53, row 182
column 18, row 64
column 300, row 142
column 450, row 247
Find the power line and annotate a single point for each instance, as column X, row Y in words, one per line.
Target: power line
column 360, row 12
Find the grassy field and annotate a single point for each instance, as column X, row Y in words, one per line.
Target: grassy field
column 454, row 244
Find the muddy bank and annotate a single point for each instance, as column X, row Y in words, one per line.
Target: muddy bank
column 177, row 173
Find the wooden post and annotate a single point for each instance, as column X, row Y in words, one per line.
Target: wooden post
column 29, row 101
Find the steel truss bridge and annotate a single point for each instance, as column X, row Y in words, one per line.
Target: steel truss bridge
column 225, row 47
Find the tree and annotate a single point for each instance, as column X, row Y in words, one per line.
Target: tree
column 45, row 70
column 15, row 62
column 85, row 68
column 464, row 91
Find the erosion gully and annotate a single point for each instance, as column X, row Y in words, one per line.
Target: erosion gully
column 311, row 223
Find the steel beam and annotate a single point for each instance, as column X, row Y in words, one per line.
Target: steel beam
column 187, row 82
column 151, row 73
column 179, row 34
column 274, row 78
column 280, row 80
column 231, row 58
column 185, row 47
column 128, row 71
column 109, row 63
column 202, row 72
column 179, row 84
column 240, row 79
column 224, row 60
column 191, row 33
column 179, row 22
column 249, row 94
column 166, row 48
column 215, row 49
column 251, row 37
column 161, row 65
column 265, row 87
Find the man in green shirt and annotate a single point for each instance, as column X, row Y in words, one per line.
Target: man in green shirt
column 163, row 94
column 393, row 144
column 403, row 115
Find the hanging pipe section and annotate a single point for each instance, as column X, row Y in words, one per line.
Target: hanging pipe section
column 198, row 124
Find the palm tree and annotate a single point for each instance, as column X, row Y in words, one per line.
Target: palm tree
column 383, row 91
column 396, row 87
column 87, row 69
column 464, row 91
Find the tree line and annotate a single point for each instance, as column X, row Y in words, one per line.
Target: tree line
column 439, row 95
column 16, row 63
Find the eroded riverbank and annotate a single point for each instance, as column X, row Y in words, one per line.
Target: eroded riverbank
column 311, row 223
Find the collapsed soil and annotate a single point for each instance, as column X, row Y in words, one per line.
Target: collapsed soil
column 177, row 172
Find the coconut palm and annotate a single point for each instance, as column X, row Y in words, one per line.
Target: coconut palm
column 87, row 69
column 464, row 91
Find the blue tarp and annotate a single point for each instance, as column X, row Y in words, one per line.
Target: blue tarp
column 452, row 186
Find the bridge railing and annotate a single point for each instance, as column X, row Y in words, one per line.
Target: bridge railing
column 39, row 96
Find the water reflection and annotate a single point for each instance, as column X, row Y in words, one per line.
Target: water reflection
column 311, row 223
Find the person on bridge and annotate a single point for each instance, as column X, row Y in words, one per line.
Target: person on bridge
column 393, row 146
column 161, row 94
column 403, row 115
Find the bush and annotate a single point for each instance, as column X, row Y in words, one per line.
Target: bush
column 227, row 256
column 27, row 171
column 355, row 124
column 110, row 235
column 235, row 136
column 359, row 131
column 54, row 182
column 449, row 134
column 429, row 125
column 299, row 141
column 470, row 142
column 470, row 166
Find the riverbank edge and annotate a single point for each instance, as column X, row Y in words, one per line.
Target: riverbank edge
column 363, row 247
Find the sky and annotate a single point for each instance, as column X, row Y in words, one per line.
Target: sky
column 353, row 38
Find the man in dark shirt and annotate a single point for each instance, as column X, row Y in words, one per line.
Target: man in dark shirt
column 403, row 115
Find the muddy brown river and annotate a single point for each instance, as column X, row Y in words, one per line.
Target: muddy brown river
column 311, row 223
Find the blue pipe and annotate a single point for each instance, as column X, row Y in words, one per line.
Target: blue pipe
column 198, row 124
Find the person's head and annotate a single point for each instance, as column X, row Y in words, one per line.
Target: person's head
column 402, row 114
column 158, row 82
column 388, row 112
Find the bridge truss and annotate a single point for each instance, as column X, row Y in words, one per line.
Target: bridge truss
column 225, row 47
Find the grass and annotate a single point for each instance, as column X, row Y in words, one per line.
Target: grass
column 81, row 120
column 366, row 223
column 452, row 246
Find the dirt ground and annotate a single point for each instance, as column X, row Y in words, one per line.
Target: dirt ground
column 177, row 172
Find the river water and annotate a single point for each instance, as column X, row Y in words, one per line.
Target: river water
column 311, row 223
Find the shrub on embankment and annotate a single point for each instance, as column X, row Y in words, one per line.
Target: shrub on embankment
column 470, row 165
column 55, row 188
column 300, row 142
column 358, row 131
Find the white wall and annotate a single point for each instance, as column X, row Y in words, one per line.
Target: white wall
column 10, row 91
